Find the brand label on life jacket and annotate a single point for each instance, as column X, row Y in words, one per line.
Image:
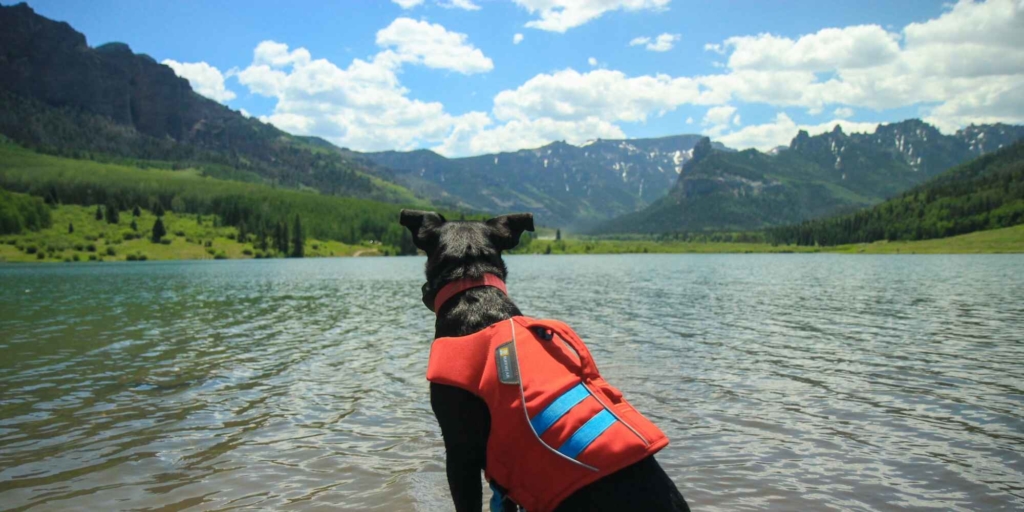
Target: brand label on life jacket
column 508, row 367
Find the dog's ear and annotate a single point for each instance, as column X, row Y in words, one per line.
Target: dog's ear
column 424, row 228
column 506, row 229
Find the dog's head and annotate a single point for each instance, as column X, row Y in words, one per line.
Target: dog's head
column 463, row 249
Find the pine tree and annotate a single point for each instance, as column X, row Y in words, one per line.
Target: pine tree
column 558, row 234
column 243, row 235
column 261, row 237
column 299, row 242
column 158, row 209
column 136, row 212
column 281, row 238
column 135, row 226
column 158, row 230
column 113, row 215
column 99, row 212
column 71, row 228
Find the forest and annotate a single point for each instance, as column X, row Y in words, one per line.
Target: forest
column 19, row 212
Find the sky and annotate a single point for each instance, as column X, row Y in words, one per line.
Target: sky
column 467, row 77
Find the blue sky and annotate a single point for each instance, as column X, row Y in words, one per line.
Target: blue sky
column 377, row 75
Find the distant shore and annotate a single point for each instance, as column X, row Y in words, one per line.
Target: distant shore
column 87, row 247
column 996, row 241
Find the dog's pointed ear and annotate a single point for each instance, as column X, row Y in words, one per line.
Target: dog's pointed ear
column 506, row 229
column 423, row 226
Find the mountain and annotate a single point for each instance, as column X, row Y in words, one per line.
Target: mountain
column 60, row 96
column 985, row 193
column 562, row 184
column 815, row 176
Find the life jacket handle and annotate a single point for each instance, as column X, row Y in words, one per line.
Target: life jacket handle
column 587, row 366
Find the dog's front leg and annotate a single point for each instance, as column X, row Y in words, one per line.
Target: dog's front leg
column 465, row 424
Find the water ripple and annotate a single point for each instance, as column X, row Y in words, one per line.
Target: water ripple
column 784, row 381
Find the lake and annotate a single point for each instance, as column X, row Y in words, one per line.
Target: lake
column 783, row 381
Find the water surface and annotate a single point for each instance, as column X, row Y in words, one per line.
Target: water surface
column 784, row 381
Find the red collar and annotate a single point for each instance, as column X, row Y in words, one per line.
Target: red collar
column 458, row 286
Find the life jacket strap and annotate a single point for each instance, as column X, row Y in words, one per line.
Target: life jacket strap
column 460, row 285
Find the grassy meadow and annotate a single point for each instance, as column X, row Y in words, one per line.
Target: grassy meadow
column 189, row 237
column 993, row 241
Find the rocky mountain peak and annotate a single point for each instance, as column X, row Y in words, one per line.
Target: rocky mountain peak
column 114, row 47
column 702, row 149
column 801, row 140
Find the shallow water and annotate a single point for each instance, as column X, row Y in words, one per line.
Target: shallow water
column 784, row 381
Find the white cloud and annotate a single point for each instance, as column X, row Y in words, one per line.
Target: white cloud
column 572, row 106
column 433, row 46
column 276, row 55
column 466, row 5
column 995, row 102
column 717, row 119
column 712, row 47
column 662, row 43
column 407, row 4
column 516, row 39
column 782, row 130
column 843, row 112
column 965, row 66
column 561, row 15
column 607, row 95
column 592, row 61
column 363, row 106
column 204, row 79
column 244, row 112
column 689, row 120
column 828, row 49
column 719, row 115
column 526, row 133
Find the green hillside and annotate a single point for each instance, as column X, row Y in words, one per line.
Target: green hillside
column 75, row 234
column 986, row 193
column 254, row 208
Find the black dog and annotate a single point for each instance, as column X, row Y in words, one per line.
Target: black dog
column 472, row 249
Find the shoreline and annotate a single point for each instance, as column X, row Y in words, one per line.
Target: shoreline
column 998, row 241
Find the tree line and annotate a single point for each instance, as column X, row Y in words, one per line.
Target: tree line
column 19, row 212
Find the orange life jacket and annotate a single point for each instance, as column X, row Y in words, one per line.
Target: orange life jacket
column 556, row 425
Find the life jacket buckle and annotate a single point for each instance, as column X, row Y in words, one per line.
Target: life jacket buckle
column 544, row 334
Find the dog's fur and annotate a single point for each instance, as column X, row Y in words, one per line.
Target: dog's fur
column 470, row 249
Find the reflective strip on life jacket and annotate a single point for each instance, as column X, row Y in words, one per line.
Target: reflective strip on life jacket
column 562, row 405
column 586, row 434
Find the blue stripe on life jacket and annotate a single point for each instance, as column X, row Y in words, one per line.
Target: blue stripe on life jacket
column 555, row 410
column 586, row 434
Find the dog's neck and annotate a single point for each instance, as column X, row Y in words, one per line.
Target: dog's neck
column 473, row 310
